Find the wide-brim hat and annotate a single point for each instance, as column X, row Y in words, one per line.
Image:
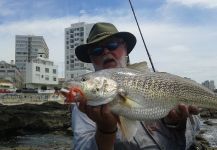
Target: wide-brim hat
column 101, row 31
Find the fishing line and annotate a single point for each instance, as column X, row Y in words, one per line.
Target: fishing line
column 152, row 65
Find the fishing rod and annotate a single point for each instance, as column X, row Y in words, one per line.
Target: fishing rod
column 152, row 65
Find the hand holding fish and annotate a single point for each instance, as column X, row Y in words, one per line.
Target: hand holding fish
column 180, row 114
column 105, row 120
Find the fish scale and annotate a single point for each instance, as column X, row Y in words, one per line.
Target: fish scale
column 139, row 95
column 141, row 85
column 161, row 88
column 145, row 96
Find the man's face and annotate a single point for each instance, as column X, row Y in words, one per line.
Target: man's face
column 110, row 53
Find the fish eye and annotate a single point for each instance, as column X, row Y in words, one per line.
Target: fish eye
column 83, row 79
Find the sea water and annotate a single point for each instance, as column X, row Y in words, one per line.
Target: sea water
column 49, row 141
column 59, row 141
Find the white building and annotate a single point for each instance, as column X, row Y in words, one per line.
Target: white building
column 74, row 36
column 28, row 47
column 41, row 72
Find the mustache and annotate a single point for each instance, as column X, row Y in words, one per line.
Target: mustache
column 108, row 59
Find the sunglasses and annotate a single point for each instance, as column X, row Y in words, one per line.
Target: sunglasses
column 111, row 46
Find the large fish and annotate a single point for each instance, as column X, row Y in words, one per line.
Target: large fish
column 139, row 95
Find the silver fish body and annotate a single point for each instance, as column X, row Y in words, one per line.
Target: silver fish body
column 143, row 96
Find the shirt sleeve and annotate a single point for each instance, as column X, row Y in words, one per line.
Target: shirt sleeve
column 192, row 128
column 83, row 131
column 185, row 136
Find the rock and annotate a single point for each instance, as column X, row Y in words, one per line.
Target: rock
column 208, row 113
column 30, row 118
column 208, row 122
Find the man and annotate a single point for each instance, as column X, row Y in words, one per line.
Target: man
column 96, row 127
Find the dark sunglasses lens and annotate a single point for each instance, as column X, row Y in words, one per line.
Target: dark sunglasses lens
column 112, row 46
column 97, row 51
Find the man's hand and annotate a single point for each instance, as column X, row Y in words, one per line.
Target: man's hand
column 105, row 120
column 179, row 115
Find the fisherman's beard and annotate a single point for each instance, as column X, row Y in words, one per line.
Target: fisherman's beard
column 121, row 63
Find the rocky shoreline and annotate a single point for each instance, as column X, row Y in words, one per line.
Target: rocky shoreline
column 52, row 117
column 207, row 115
column 31, row 118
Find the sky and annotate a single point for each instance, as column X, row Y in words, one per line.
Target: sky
column 181, row 35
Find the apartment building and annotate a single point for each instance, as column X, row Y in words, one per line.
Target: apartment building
column 209, row 84
column 75, row 35
column 41, row 73
column 32, row 59
column 27, row 48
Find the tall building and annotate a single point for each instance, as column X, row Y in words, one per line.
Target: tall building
column 27, row 48
column 31, row 58
column 76, row 35
column 209, row 84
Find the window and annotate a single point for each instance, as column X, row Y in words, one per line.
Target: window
column 81, row 65
column 47, row 70
column 54, row 79
column 54, row 71
column 72, row 66
column 37, row 68
column 47, row 78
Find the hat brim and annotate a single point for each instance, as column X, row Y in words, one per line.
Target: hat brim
column 81, row 51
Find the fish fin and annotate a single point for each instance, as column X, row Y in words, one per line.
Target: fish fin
column 135, row 111
column 129, row 102
column 141, row 66
column 128, row 128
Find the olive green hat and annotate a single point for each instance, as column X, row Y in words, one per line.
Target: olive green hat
column 101, row 31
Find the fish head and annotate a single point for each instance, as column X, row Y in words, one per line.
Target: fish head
column 99, row 90
column 96, row 88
